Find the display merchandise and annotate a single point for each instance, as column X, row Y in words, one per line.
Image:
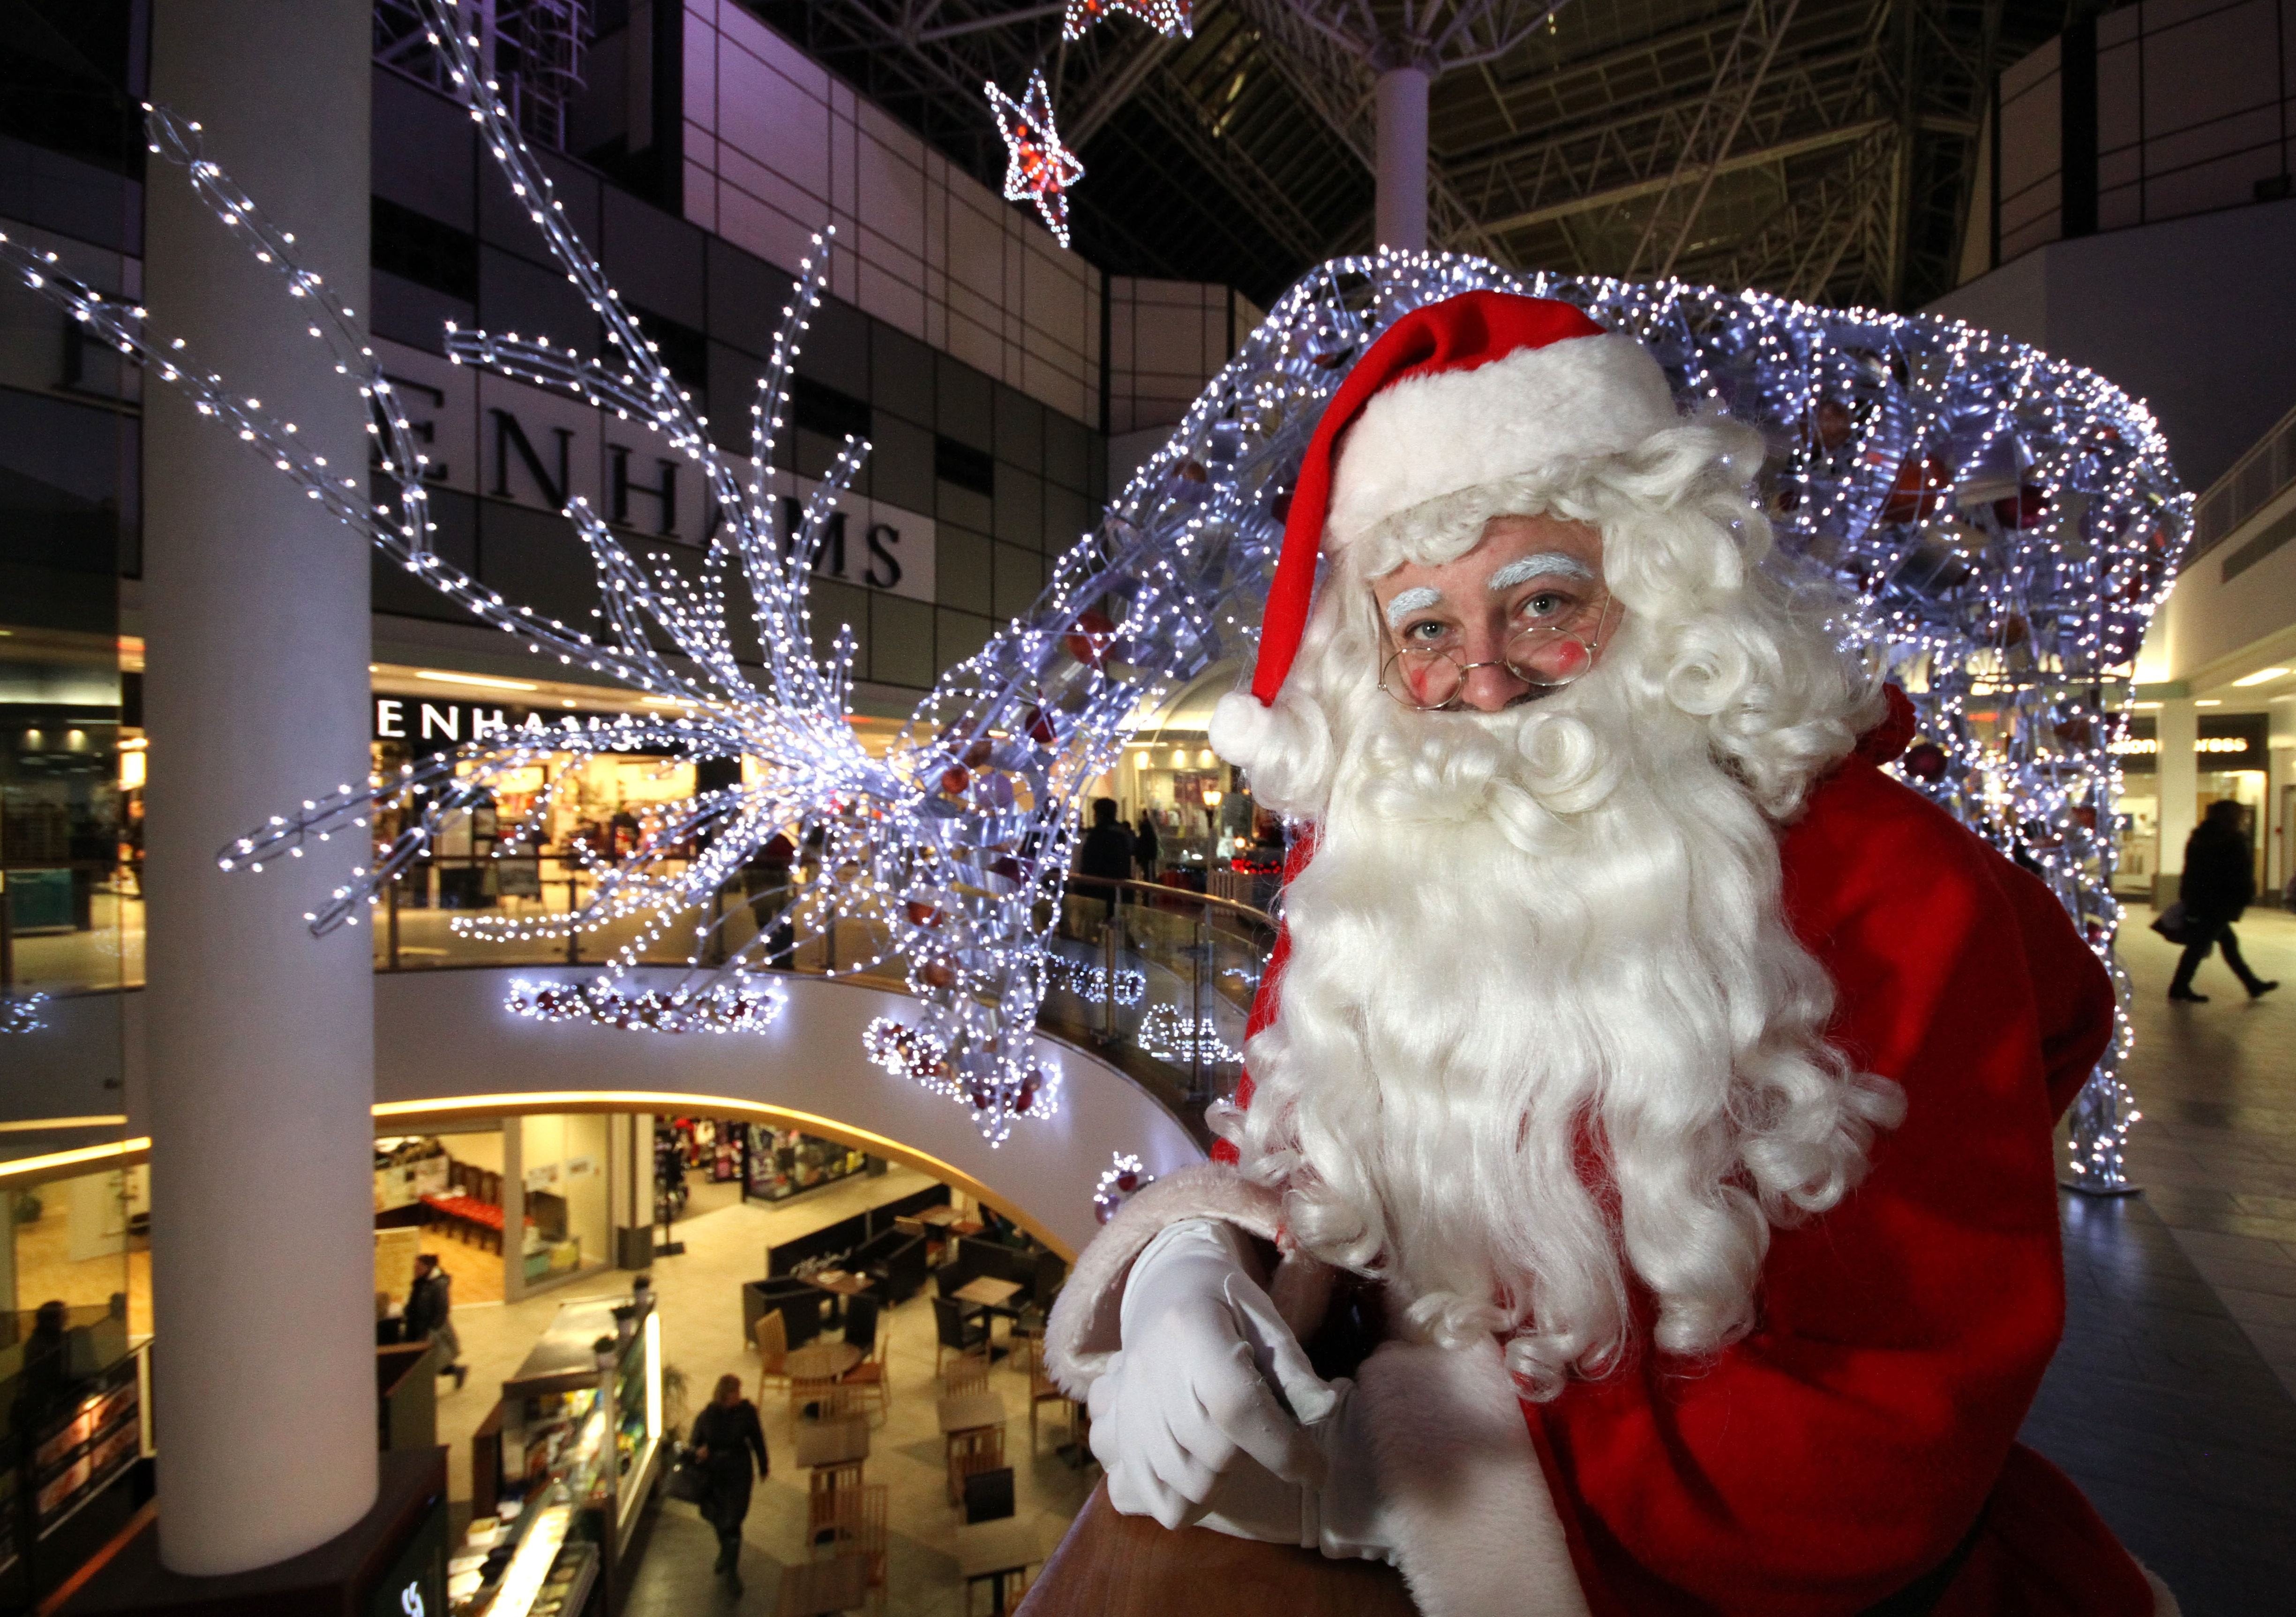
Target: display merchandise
column 407, row 1170
column 581, row 1440
column 2003, row 524
column 782, row 1163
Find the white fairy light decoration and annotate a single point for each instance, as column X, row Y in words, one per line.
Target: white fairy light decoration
column 1090, row 981
column 1125, row 1177
column 1170, row 1035
column 1173, row 19
column 1038, row 169
column 20, row 1013
column 2004, row 523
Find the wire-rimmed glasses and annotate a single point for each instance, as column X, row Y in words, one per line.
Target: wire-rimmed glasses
column 1544, row 655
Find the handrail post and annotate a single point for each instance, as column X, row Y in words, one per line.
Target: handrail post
column 391, row 903
column 1109, row 956
column 1196, row 961
column 829, row 946
column 573, row 907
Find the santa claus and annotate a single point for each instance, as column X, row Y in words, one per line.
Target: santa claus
column 1642, row 1200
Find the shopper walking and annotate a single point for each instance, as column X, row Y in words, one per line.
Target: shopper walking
column 1146, row 848
column 2219, row 883
column 430, row 1316
column 726, row 1437
column 1106, row 852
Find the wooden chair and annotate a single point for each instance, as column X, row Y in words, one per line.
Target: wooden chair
column 1041, row 1391
column 853, row 1521
column 970, row 1453
column 827, row 1504
column 834, row 1400
column 863, row 1330
column 966, row 1372
column 773, row 1350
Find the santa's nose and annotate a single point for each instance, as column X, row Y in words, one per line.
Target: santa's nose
column 1490, row 684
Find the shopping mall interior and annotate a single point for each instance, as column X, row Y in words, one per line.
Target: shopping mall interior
column 676, row 1001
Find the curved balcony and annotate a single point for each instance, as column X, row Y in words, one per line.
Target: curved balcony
column 1144, row 1021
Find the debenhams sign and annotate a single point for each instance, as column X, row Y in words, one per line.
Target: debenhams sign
column 504, row 440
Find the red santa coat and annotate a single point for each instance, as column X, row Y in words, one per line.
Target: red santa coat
column 1862, row 1439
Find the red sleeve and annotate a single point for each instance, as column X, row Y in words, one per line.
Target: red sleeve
column 1263, row 1002
column 1845, row 1448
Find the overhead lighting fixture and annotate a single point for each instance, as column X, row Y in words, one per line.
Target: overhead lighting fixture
column 2261, row 677
column 2147, row 707
column 2209, row 702
column 477, row 679
column 664, row 702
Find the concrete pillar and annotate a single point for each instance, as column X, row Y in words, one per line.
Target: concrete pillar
column 2281, row 836
column 261, row 1038
column 1401, row 213
column 2179, row 727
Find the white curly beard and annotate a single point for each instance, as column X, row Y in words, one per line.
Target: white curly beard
column 1544, row 1026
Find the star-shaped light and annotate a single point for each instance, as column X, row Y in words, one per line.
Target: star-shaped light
column 1173, row 19
column 1042, row 168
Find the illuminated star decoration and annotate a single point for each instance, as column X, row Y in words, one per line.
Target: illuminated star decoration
column 1173, row 19
column 1042, row 168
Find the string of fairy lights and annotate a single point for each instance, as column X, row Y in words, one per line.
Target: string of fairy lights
column 2004, row 525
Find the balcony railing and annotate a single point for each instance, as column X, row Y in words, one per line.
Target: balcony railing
column 1157, row 977
column 2254, row 482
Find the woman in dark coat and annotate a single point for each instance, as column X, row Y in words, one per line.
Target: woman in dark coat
column 726, row 1436
column 2219, row 882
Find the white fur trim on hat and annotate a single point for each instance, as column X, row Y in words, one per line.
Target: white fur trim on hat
column 1538, row 410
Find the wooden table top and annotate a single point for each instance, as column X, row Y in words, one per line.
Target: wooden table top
column 838, row 1281
column 971, row 1411
column 941, row 1217
column 813, row 1589
column 1115, row 1565
column 821, row 1360
column 987, row 1548
column 837, row 1442
column 987, row 1291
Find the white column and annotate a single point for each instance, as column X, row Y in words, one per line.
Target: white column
column 255, row 627
column 2179, row 727
column 1401, row 98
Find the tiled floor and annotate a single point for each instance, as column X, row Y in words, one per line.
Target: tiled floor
column 2169, row 1401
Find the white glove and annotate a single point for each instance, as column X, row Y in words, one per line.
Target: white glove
column 1210, row 1383
column 1345, row 1518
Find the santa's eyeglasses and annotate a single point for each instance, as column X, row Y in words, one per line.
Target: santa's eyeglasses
column 1544, row 655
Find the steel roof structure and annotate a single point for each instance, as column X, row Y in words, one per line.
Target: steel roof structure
column 1822, row 148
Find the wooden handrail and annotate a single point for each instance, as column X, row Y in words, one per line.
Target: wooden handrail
column 1113, row 1565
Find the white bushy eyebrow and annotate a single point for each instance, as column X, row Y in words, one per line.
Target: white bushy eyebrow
column 1547, row 562
column 1410, row 601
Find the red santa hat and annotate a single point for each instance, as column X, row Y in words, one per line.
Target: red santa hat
column 1444, row 417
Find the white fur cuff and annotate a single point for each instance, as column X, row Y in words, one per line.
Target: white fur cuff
column 1084, row 1329
column 1477, row 1531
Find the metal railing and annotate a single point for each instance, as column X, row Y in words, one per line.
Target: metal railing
column 2254, row 482
column 1162, row 976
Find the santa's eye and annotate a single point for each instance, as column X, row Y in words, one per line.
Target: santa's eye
column 1427, row 631
column 1544, row 605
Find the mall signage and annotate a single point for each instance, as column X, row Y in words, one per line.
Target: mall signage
column 432, row 722
column 499, row 439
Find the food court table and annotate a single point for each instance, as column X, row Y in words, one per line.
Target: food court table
column 995, row 1549
column 821, row 1360
column 833, row 1442
column 970, row 1411
column 839, row 1286
column 814, row 1589
column 987, row 1291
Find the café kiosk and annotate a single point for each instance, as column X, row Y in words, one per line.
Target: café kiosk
column 568, row 1462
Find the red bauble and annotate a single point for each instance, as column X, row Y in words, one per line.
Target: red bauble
column 1919, row 491
column 1088, row 642
column 1926, row 761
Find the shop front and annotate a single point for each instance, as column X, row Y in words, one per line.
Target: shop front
column 2231, row 759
